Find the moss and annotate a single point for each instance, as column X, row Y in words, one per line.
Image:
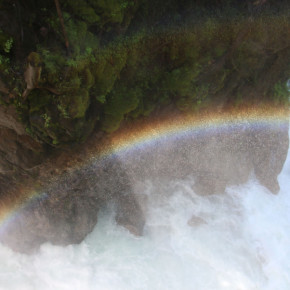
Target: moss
column 246, row 60
column 87, row 78
column 101, row 13
column 145, row 107
column 80, row 37
column 120, row 102
column 111, row 122
column 47, row 120
column 38, row 100
column 4, row 64
column 194, row 102
column 180, row 53
column 101, row 98
column 180, row 81
column 111, row 11
column 6, row 42
column 53, row 64
column 52, row 118
column 107, row 69
column 281, row 94
column 84, row 11
column 75, row 104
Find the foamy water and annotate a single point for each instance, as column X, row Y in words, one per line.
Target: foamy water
column 241, row 241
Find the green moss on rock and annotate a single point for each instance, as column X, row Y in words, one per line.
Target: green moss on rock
column 75, row 104
column 119, row 103
column 189, row 53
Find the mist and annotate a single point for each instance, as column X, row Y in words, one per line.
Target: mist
column 211, row 220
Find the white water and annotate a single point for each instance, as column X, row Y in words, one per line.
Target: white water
column 243, row 244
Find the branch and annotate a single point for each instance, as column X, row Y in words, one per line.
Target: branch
column 62, row 25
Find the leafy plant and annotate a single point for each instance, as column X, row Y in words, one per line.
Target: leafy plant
column 47, row 120
column 281, row 93
column 8, row 45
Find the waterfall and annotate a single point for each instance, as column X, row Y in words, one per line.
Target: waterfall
column 238, row 239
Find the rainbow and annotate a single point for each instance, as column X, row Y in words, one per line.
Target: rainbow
column 146, row 134
column 141, row 134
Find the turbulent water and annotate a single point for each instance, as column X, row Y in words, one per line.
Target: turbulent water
column 236, row 240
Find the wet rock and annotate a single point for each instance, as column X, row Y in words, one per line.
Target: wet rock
column 67, row 212
column 9, row 120
column 217, row 159
column 196, row 221
column 18, row 152
column 269, row 150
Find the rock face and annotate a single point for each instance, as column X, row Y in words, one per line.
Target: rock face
column 68, row 209
column 217, row 158
column 18, row 151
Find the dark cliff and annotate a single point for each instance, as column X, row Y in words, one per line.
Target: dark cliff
column 71, row 68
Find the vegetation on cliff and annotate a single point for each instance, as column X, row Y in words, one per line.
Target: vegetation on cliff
column 123, row 59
